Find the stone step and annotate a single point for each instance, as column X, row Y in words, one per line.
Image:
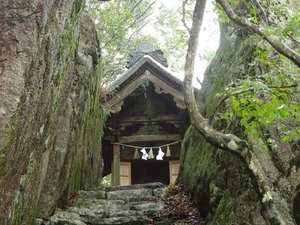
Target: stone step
column 130, row 220
column 149, row 189
column 134, row 204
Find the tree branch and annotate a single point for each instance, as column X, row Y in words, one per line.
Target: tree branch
column 225, row 98
column 137, row 5
column 136, row 20
column 272, row 40
column 293, row 39
column 142, row 14
column 283, row 86
column 227, row 142
column 199, row 81
column 261, row 13
column 235, row 93
column 183, row 16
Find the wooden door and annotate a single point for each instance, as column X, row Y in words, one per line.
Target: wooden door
column 174, row 170
column 125, row 173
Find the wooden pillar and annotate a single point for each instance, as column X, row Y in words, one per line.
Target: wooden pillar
column 116, row 177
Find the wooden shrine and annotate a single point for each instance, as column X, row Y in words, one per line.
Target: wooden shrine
column 147, row 114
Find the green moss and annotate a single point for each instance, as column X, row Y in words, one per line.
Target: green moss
column 17, row 212
column 274, row 221
column 216, row 181
column 25, row 204
column 223, row 211
column 198, row 159
column 83, row 158
column 77, row 179
column 32, row 218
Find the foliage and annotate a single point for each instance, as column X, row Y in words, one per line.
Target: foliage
column 123, row 25
column 270, row 99
column 208, row 56
column 119, row 24
column 106, row 181
column 174, row 35
column 222, row 16
column 289, row 29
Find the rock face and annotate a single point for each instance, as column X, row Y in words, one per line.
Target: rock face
column 50, row 118
column 218, row 182
column 135, row 204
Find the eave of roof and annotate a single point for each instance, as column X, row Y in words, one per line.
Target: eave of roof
column 136, row 66
column 145, row 68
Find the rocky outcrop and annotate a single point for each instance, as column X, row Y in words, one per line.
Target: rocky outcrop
column 50, row 117
column 135, row 204
column 220, row 183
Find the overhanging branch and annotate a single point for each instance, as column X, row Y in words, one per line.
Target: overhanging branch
column 272, row 40
column 239, row 92
column 183, row 16
column 260, row 12
column 235, row 93
column 228, row 142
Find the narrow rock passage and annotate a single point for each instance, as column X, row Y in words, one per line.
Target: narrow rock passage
column 134, row 204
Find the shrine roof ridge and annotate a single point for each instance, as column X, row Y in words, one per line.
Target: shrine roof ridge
column 139, row 63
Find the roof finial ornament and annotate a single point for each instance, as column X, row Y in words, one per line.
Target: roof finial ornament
column 146, row 48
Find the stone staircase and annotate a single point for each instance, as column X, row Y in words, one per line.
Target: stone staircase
column 134, row 204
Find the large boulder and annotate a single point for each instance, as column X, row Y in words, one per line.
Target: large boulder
column 220, row 183
column 50, row 117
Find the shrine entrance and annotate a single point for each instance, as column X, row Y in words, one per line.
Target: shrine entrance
column 147, row 121
column 150, row 171
column 140, row 172
column 128, row 166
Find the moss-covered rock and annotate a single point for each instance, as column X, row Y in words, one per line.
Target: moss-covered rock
column 217, row 183
column 220, row 183
column 51, row 120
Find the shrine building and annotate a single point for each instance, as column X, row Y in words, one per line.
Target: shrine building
column 147, row 121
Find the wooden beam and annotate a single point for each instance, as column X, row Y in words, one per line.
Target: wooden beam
column 123, row 93
column 120, row 95
column 149, row 138
column 141, row 119
column 166, row 87
column 116, row 175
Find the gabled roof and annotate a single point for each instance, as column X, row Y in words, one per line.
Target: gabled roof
column 145, row 67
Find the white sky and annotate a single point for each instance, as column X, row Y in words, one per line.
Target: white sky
column 208, row 40
column 209, row 36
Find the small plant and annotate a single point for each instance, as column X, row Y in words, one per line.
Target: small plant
column 106, row 181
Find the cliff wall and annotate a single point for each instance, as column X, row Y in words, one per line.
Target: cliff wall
column 50, row 117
